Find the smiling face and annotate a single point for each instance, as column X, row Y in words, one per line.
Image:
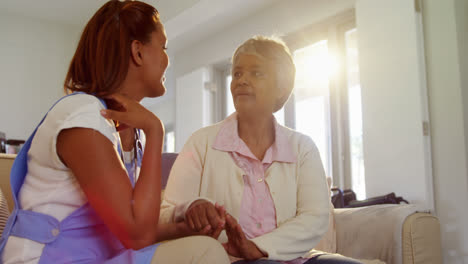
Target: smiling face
column 155, row 62
column 253, row 85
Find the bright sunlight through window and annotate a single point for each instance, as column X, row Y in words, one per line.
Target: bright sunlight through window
column 355, row 115
column 314, row 67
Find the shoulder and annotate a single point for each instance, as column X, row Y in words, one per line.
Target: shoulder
column 80, row 111
column 73, row 111
column 206, row 134
column 76, row 102
column 299, row 142
column 202, row 140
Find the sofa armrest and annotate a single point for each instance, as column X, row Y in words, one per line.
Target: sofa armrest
column 372, row 232
column 421, row 239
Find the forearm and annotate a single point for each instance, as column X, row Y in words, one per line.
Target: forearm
column 298, row 235
column 171, row 231
column 147, row 191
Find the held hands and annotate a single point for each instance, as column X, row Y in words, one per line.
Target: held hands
column 129, row 113
column 238, row 245
column 204, row 218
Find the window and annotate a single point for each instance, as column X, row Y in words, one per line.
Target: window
column 354, row 115
column 326, row 103
column 311, row 96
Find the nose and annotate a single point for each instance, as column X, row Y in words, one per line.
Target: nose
column 243, row 79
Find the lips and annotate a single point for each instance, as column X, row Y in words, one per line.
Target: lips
column 242, row 94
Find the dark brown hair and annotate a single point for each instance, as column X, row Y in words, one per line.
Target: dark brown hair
column 101, row 60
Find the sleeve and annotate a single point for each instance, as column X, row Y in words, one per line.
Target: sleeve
column 296, row 236
column 80, row 111
column 183, row 186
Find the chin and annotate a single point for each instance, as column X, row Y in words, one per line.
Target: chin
column 157, row 92
column 244, row 106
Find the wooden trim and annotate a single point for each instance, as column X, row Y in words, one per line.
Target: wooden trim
column 7, row 156
column 6, row 162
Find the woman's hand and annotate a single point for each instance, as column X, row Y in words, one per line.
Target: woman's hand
column 129, row 113
column 203, row 216
column 238, row 245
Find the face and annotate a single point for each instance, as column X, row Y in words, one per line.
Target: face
column 253, row 85
column 155, row 62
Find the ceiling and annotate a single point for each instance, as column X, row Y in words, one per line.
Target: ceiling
column 186, row 21
column 77, row 12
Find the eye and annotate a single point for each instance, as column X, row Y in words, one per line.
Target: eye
column 237, row 74
column 258, row 74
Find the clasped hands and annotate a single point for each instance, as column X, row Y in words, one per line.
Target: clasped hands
column 204, row 218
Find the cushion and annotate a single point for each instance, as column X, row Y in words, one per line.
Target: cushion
column 328, row 242
column 421, row 239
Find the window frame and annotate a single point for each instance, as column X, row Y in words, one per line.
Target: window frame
column 333, row 30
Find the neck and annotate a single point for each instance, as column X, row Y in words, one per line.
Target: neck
column 132, row 89
column 257, row 131
column 127, row 137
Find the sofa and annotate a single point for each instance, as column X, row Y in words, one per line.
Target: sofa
column 392, row 234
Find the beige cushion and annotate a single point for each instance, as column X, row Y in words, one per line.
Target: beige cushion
column 421, row 239
column 372, row 232
column 328, row 242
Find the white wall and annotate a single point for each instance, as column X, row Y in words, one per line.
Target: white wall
column 165, row 110
column 193, row 102
column 446, row 76
column 461, row 15
column 34, row 58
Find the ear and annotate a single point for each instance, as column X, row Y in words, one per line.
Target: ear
column 136, row 50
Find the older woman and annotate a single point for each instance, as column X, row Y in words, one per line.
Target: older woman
column 269, row 178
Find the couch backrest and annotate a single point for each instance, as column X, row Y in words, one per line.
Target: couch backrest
column 167, row 162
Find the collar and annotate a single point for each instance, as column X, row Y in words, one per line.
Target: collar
column 228, row 140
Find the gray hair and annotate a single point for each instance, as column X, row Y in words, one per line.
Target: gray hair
column 274, row 50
